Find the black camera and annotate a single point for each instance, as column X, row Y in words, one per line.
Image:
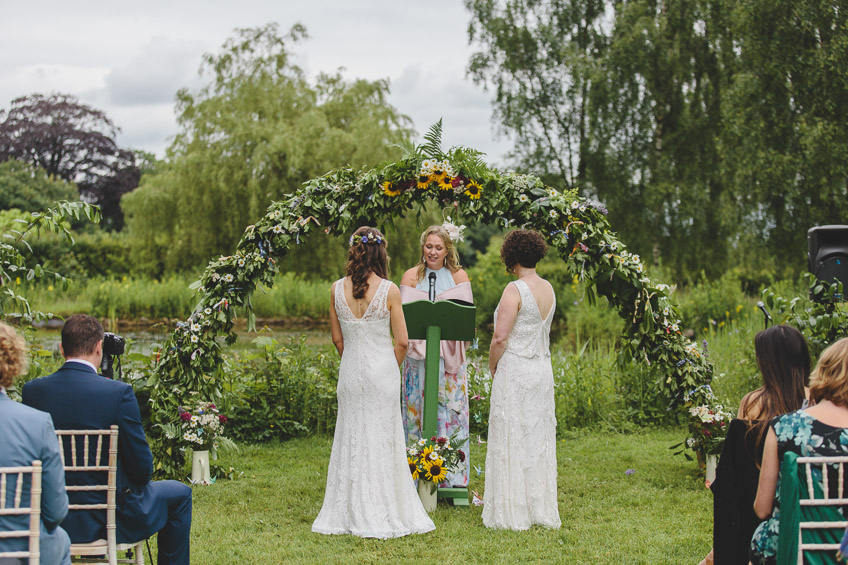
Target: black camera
column 113, row 344
column 113, row 347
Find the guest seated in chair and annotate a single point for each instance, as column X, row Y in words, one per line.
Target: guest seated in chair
column 27, row 435
column 815, row 431
column 784, row 362
column 78, row 398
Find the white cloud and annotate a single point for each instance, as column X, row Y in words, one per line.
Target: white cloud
column 129, row 60
column 156, row 73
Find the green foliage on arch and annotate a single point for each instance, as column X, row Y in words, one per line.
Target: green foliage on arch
column 459, row 180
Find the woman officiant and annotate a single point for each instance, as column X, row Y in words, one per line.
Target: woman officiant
column 438, row 256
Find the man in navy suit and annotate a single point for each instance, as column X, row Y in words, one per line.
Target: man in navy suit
column 78, row 398
column 27, row 435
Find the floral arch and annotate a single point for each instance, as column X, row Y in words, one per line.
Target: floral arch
column 342, row 200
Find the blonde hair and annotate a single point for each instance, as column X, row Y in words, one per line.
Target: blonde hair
column 829, row 380
column 13, row 355
column 451, row 259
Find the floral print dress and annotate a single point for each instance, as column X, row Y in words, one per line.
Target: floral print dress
column 453, row 413
column 802, row 434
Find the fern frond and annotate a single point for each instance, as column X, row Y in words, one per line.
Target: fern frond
column 433, row 146
column 408, row 149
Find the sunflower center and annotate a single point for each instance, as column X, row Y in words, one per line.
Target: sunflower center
column 435, row 470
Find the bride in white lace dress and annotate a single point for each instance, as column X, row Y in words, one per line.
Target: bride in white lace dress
column 370, row 491
column 521, row 466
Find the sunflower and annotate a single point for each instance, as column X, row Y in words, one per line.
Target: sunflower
column 473, row 189
column 436, row 471
column 389, row 190
column 425, row 454
column 445, row 183
column 413, row 467
column 438, row 173
column 423, row 181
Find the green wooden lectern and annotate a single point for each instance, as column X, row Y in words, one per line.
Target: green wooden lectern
column 433, row 322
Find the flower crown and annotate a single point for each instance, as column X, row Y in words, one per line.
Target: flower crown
column 367, row 238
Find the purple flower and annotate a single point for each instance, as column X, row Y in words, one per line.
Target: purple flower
column 629, row 471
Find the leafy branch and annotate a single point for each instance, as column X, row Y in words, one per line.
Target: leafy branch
column 14, row 249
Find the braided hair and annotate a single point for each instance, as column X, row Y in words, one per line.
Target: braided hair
column 367, row 254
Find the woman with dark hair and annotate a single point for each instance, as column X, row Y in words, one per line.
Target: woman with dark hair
column 816, row 431
column 521, row 468
column 439, row 260
column 370, row 492
column 784, row 362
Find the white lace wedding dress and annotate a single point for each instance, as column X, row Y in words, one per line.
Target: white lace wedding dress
column 521, row 467
column 370, row 491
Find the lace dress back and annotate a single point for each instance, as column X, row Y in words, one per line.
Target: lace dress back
column 370, row 492
column 521, row 469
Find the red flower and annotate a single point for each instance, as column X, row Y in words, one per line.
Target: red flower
column 433, row 438
column 222, row 419
column 461, row 455
column 442, row 440
column 185, row 416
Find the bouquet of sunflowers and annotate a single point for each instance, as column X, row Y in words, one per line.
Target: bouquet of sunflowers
column 432, row 460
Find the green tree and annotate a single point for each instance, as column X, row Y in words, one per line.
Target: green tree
column 625, row 109
column 28, row 187
column 256, row 132
column 784, row 146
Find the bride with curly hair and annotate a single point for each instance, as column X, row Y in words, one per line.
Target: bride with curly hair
column 370, row 491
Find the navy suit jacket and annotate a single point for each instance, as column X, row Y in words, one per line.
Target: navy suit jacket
column 78, row 398
column 27, row 435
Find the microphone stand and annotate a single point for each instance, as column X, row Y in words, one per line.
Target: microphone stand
column 762, row 307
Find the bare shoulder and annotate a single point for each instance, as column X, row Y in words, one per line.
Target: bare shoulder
column 510, row 291
column 749, row 407
column 460, row 276
column 410, row 277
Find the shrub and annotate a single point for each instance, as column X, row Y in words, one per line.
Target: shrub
column 714, row 304
column 279, row 392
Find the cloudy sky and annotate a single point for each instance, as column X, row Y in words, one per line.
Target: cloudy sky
column 130, row 58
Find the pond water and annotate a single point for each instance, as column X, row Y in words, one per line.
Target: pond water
column 146, row 339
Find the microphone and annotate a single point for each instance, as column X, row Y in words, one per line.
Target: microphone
column 432, row 286
column 762, row 307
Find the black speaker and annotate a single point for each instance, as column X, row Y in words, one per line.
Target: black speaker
column 827, row 253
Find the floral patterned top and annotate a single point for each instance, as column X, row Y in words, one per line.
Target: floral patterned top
column 800, row 433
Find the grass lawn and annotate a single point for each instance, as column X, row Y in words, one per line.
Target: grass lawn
column 659, row 514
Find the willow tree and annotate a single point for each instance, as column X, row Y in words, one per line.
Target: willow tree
column 253, row 134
